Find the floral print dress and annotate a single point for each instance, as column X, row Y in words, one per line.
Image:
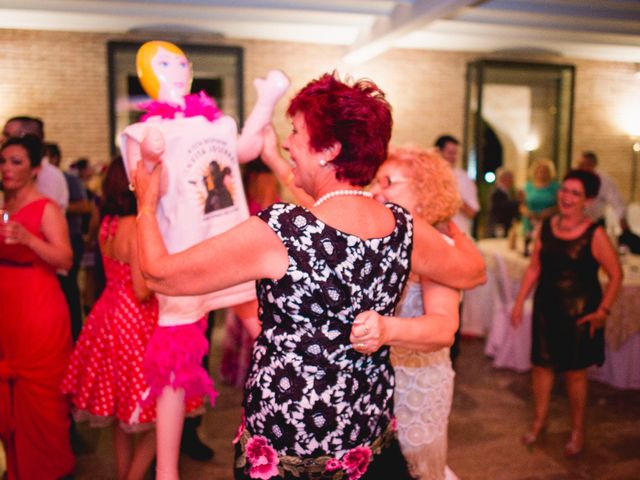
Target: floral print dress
column 309, row 395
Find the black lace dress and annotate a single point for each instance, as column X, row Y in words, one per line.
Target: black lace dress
column 313, row 398
column 568, row 289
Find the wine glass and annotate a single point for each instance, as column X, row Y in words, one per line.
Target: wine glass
column 4, row 218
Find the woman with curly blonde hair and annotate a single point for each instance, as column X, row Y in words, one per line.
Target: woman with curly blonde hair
column 421, row 181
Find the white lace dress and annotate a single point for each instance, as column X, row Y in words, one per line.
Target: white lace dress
column 423, row 395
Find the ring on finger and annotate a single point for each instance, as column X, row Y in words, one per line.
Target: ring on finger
column 360, row 345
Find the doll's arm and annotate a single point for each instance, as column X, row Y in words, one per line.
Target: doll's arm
column 269, row 90
column 151, row 149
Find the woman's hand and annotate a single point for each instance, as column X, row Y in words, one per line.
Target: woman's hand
column 368, row 332
column 596, row 320
column 516, row 314
column 147, row 187
column 14, row 233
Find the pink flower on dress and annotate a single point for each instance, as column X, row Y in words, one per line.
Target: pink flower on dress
column 262, row 458
column 332, row 465
column 394, row 424
column 240, row 430
column 356, row 461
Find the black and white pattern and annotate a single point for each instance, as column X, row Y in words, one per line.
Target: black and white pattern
column 308, row 392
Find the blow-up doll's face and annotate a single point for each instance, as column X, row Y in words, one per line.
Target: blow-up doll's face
column 174, row 74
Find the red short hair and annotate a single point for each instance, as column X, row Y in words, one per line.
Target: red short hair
column 356, row 116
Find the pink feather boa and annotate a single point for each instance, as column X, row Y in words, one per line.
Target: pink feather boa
column 194, row 105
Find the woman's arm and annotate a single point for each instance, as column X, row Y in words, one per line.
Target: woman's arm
column 529, row 281
column 249, row 251
column 55, row 249
column 607, row 257
column 460, row 267
column 280, row 167
column 427, row 333
column 140, row 288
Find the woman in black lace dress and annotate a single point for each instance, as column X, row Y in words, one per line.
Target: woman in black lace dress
column 569, row 308
column 318, row 398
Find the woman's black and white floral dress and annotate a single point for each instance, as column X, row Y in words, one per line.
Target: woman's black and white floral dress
column 309, row 393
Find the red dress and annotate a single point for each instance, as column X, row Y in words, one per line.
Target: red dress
column 35, row 343
column 105, row 377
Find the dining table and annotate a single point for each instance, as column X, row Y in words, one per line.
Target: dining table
column 486, row 312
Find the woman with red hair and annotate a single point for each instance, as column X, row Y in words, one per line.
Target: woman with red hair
column 319, row 392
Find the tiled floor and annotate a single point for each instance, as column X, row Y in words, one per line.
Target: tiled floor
column 491, row 410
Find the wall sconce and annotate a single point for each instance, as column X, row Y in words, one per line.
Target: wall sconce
column 531, row 144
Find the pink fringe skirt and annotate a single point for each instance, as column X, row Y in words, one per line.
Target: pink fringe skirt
column 174, row 358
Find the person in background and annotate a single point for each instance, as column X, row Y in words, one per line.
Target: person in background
column 504, row 206
column 422, row 182
column 449, row 148
column 51, row 182
column 93, row 278
column 78, row 206
column 540, row 193
column 569, row 308
column 104, row 379
column 609, row 193
column 35, row 337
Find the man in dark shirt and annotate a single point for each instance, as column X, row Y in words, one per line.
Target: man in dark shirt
column 78, row 206
column 503, row 205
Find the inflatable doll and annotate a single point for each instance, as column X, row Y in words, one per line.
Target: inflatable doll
column 202, row 196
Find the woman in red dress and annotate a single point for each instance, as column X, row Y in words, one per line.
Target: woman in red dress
column 104, row 379
column 35, row 343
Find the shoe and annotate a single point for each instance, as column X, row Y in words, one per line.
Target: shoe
column 194, row 448
column 532, row 435
column 575, row 444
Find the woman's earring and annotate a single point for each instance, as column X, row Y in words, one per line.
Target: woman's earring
column 323, row 162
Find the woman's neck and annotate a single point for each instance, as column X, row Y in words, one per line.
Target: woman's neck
column 332, row 185
column 567, row 223
column 16, row 199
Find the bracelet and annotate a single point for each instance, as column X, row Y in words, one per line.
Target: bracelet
column 144, row 211
column 605, row 310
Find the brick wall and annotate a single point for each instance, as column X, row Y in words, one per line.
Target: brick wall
column 62, row 77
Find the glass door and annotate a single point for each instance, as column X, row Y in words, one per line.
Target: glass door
column 516, row 113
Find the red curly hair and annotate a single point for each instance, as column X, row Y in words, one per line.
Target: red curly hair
column 357, row 116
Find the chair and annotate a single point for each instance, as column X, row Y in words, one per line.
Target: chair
column 510, row 347
column 633, row 217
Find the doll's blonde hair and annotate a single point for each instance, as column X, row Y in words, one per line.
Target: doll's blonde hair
column 433, row 182
column 146, row 75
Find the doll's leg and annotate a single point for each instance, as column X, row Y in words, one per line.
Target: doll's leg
column 248, row 314
column 170, row 417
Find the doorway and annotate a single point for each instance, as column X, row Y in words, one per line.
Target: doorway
column 516, row 112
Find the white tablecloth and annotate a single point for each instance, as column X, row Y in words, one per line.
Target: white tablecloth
column 486, row 312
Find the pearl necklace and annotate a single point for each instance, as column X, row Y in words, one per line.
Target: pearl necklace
column 338, row 193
